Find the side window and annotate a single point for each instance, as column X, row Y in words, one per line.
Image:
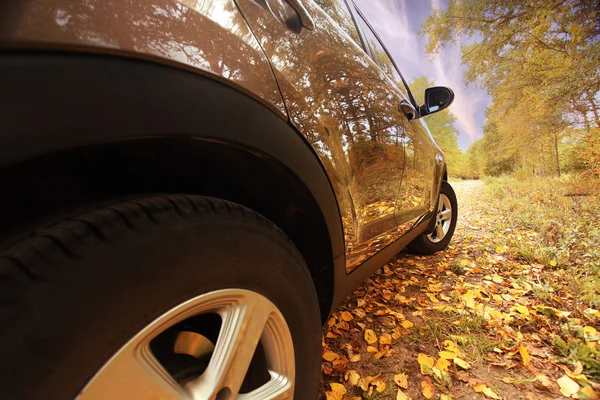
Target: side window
column 339, row 12
column 380, row 56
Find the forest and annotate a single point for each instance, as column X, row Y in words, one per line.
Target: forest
column 539, row 62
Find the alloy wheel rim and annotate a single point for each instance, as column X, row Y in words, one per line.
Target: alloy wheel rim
column 443, row 219
column 247, row 318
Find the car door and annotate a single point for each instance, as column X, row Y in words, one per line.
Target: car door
column 344, row 105
column 416, row 189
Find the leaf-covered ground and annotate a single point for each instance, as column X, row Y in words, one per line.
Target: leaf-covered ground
column 476, row 321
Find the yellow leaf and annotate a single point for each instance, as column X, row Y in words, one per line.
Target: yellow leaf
column 372, row 349
column 447, row 355
column 497, row 279
column 386, row 338
column 544, row 380
column 425, row 361
column 338, row 388
column 522, row 310
column 330, row 356
column 370, row 336
column 499, row 249
column 524, row 355
column 432, row 298
column 442, row 364
column 482, row 388
column 406, row 324
column 401, row 396
column 567, row 385
column 346, row 316
column 553, row 263
column 451, row 346
column 354, row 358
column 589, row 332
column 352, row 377
column 590, row 393
column 461, row 363
column 427, row 389
column 380, row 385
column 401, row 380
column 333, row 396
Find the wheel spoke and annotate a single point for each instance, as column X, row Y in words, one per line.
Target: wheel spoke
column 133, row 373
column 439, row 231
column 242, row 327
column 279, row 387
column 446, row 215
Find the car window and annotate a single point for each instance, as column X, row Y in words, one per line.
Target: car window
column 339, row 12
column 380, row 56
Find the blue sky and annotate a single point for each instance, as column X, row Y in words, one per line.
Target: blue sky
column 398, row 22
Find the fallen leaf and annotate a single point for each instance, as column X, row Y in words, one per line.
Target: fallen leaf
column 406, row 324
column 333, row 396
column 401, row 396
column 354, row 358
column 483, row 388
column 461, row 363
column 425, row 361
column 370, row 336
column 567, row 385
column 401, row 380
column 447, row 355
column 330, row 356
column 346, row 316
column 352, row 377
column 442, row 364
column 524, row 355
column 427, row 389
column 338, row 388
column 522, row 310
column 386, row 338
column 380, row 385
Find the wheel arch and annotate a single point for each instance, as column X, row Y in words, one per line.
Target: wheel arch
column 103, row 127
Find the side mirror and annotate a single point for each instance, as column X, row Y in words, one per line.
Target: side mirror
column 436, row 99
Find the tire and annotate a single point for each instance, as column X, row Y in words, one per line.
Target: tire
column 429, row 243
column 75, row 293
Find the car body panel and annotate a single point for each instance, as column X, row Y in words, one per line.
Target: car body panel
column 360, row 145
column 208, row 37
column 381, row 165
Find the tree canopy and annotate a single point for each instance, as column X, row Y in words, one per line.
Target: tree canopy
column 539, row 61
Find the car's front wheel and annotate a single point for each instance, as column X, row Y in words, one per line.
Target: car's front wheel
column 159, row 297
column 445, row 222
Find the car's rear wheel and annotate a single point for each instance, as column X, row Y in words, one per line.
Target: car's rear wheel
column 159, row 297
column 445, row 222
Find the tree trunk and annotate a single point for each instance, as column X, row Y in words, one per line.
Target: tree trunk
column 556, row 152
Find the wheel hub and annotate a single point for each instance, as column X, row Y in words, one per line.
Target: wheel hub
column 225, row 344
column 443, row 219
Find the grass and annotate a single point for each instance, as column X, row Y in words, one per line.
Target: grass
column 553, row 222
column 468, row 331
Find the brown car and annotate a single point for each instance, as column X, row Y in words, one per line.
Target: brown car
column 189, row 187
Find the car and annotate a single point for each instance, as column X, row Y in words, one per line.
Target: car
column 189, row 188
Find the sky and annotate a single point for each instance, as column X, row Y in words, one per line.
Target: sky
column 398, row 22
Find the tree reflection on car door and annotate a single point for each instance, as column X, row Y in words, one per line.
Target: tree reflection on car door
column 339, row 99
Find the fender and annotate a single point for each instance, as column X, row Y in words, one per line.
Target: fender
column 66, row 102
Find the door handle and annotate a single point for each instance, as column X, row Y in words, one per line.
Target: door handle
column 407, row 109
column 291, row 13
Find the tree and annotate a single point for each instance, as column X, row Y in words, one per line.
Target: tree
column 538, row 60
